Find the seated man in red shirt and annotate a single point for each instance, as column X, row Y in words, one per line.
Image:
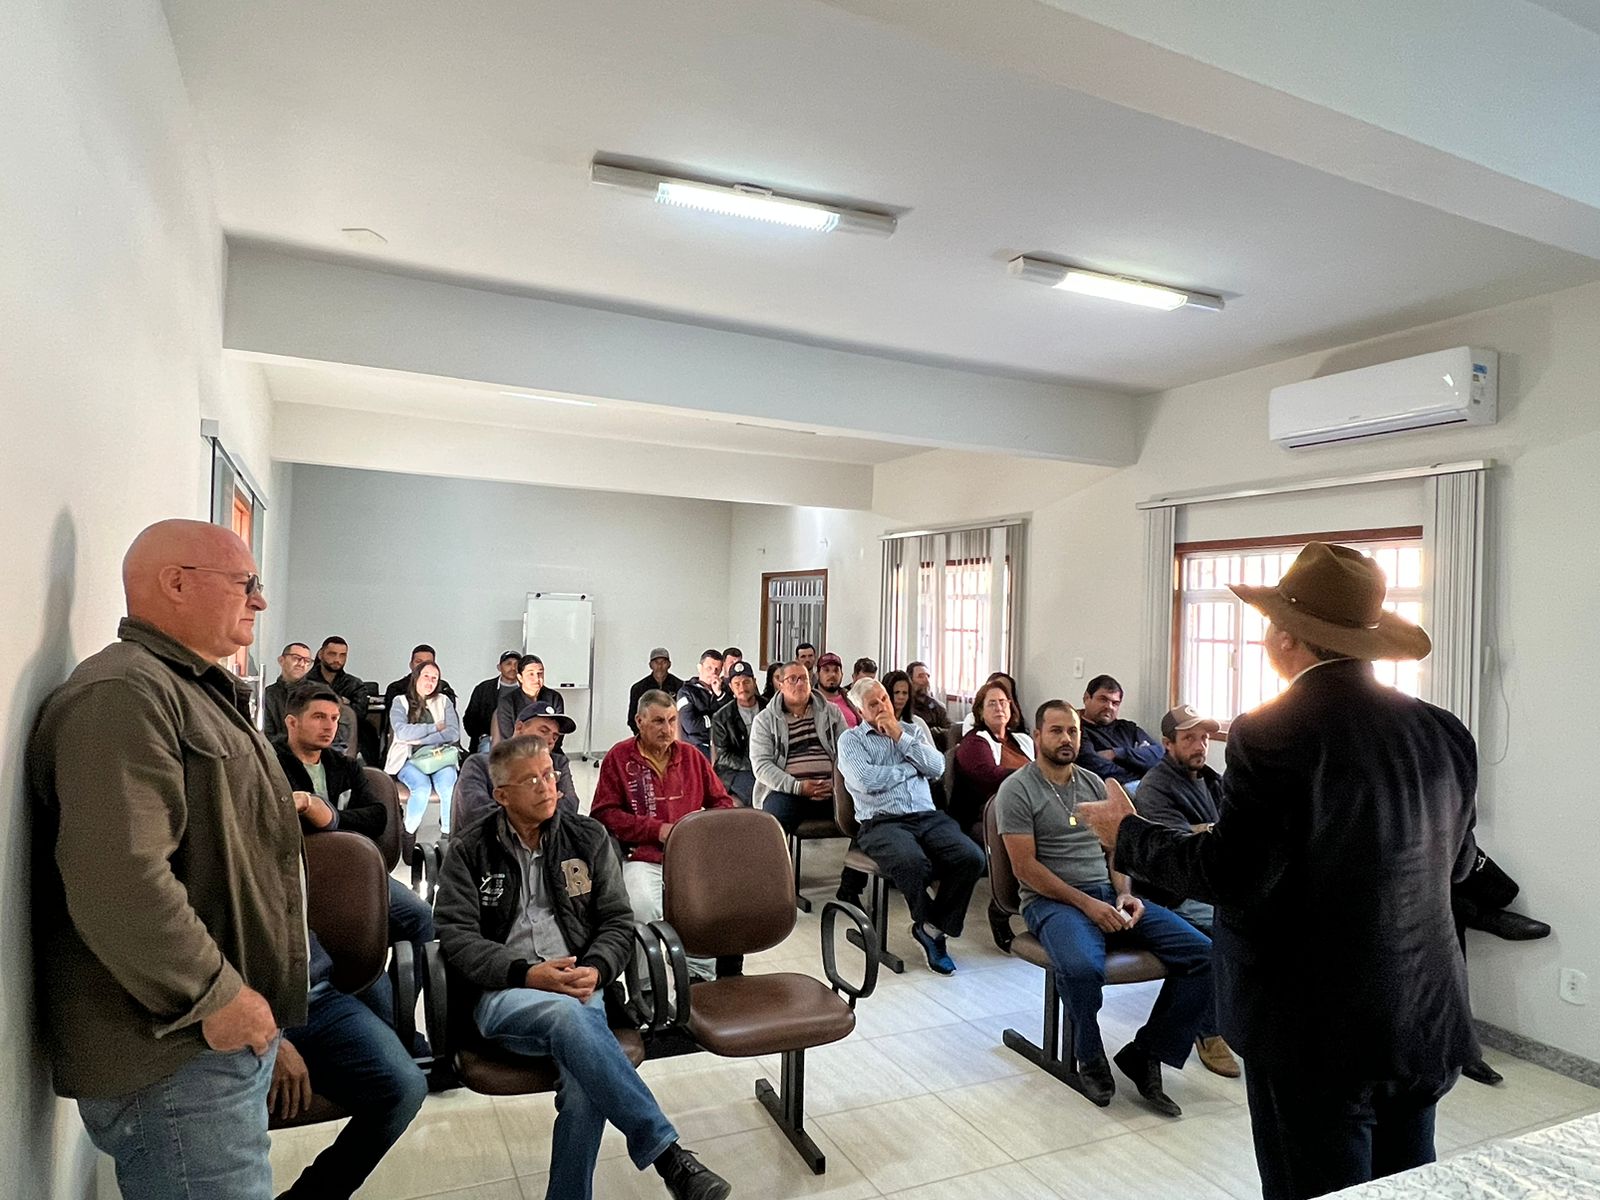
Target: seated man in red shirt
column 647, row 784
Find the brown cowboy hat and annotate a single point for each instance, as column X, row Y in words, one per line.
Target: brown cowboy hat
column 1332, row 597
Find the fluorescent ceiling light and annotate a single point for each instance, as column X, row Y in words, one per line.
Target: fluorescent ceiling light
column 742, row 200
column 1111, row 287
column 551, row 399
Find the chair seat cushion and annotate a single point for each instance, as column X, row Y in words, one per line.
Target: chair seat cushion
column 1122, row 966
column 766, row 1014
column 811, row 830
column 322, row 1109
column 855, row 860
column 494, row 1072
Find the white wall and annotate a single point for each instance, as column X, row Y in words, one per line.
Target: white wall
column 388, row 561
column 842, row 542
column 1537, row 797
column 110, row 286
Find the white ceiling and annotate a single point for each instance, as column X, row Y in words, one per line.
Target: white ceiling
column 463, row 134
column 480, row 404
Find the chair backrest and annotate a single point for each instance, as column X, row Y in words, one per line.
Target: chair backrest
column 844, row 807
column 347, row 725
column 1001, row 880
column 347, row 905
column 388, row 794
column 727, row 883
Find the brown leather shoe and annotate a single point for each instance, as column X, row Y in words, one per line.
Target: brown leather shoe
column 1216, row 1057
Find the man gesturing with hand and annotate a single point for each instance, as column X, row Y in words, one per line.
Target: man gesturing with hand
column 534, row 920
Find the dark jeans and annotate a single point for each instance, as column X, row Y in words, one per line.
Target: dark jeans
column 1077, row 949
column 1313, row 1137
column 919, row 849
column 355, row 1060
column 741, row 786
column 791, row 810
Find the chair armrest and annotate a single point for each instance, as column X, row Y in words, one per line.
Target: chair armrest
column 869, row 944
column 645, row 1016
column 435, row 1016
column 403, row 981
column 669, row 1013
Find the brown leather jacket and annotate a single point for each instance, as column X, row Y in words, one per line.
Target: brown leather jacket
column 167, row 864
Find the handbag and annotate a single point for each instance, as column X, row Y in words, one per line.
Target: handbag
column 432, row 759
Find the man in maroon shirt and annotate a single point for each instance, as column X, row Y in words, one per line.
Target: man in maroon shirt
column 647, row 784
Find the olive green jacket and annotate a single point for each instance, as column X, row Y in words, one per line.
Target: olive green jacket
column 167, row 866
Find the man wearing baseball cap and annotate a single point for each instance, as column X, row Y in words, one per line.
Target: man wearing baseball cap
column 730, row 733
column 474, row 794
column 1347, row 812
column 479, row 717
column 660, row 679
column 830, row 678
column 1182, row 792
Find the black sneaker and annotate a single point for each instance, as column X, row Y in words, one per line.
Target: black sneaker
column 1095, row 1079
column 686, row 1179
column 1146, row 1075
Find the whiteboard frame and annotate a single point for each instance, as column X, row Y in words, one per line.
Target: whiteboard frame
column 588, row 721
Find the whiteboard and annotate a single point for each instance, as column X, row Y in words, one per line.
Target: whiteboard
column 559, row 628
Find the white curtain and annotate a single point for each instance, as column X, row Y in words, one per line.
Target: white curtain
column 1453, row 558
column 1155, row 676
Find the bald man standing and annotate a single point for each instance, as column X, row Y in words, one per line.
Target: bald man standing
column 169, row 902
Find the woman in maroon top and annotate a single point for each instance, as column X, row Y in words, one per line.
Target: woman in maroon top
column 984, row 757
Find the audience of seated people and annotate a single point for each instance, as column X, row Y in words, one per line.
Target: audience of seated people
column 865, row 668
column 646, row 785
column 1184, row 792
column 986, row 755
column 806, row 654
column 1114, row 748
column 293, row 664
column 1078, row 908
column 425, row 751
column 731, row 657
column 698, row 701
column 730, row 733
column 660, row 679
column 769, row 692
column 474, row 795
column 887, row 766
column 830, row 684
column 898, row 685
column 536, row 920
column 329, row 668
column 530, row 690
column 478, row 719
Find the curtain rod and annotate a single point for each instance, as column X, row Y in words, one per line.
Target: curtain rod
column 1311, row 485
column 962, row 527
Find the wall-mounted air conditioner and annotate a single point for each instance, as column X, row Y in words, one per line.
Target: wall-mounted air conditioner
column 1449, row 387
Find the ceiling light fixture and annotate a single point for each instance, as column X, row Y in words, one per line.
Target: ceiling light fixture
column 1111, row 287
column 742, row 200
column 551, row 399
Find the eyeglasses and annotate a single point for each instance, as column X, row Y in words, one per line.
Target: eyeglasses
column 252, row 583
column 295, row 658
column 549, row 777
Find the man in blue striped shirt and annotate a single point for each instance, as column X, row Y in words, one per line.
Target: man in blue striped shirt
column 887, row 766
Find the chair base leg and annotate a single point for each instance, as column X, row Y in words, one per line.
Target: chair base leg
column 886, row 958
column 1042, row 1059
column 787, row 1108
column 1056, row 1057
column 800, row 901
column 878, row 913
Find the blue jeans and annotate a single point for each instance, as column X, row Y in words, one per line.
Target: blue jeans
column 1077, row 950
column 198, row 1134
column 356, row 1061
column 421, row 785
column 598, row 1083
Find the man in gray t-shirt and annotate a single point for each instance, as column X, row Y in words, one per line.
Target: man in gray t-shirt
column 1077, row 908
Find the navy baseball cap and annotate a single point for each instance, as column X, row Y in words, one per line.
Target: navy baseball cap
column 543, row 708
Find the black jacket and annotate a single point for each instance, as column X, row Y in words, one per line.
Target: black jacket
column 1347, row 812
column 480, row 894
column 1168, row 796
column 670, row 685
column 1136, row 751
column 361, row 812
column 697, row 704
column 479, row 717
column 510, row 704
column 274, row 707
column 730, row 741
column 351, row 690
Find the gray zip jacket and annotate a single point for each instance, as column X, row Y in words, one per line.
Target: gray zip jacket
column 769, row 744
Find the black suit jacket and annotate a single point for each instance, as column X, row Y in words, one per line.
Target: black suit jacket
column 1347, row 811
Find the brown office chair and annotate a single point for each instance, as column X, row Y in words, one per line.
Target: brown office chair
column 1122, row 966
column 347, row 907
column 808, row 831
column 844, row 815
column 347, row 726
column 726, row 891
column 388, row 793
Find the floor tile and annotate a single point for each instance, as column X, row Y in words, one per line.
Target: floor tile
column 951, row 1056
column 1032, row 1114
column 999, row 989
column 504, row 1189
column 1127, row 1167
column 1217, row 1147
column 907, row 1143
column 849, row 1074
column 899, row 1007
column 443, row 1151
column 1013, row 1181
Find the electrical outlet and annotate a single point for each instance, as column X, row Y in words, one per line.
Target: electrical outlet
column 1573, row 987
column 1077, row 668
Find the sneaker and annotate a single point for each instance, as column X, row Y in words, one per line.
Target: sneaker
column 938, row 957
column 686, row 1179
column 1094, row 1079
column 1216, row 1056
column 1145, row 1072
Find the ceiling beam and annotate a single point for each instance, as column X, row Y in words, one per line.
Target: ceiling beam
column 286, row 308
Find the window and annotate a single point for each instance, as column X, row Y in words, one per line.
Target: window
column 1222, row 668
column 235, row 503
column 794, row 609
column 964, row 636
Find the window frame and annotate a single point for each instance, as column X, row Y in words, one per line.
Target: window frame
column 766, row 601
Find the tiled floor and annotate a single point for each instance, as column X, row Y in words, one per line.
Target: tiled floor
column 922, row 1101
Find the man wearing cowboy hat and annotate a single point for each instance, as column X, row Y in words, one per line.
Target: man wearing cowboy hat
column 1347, row 812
